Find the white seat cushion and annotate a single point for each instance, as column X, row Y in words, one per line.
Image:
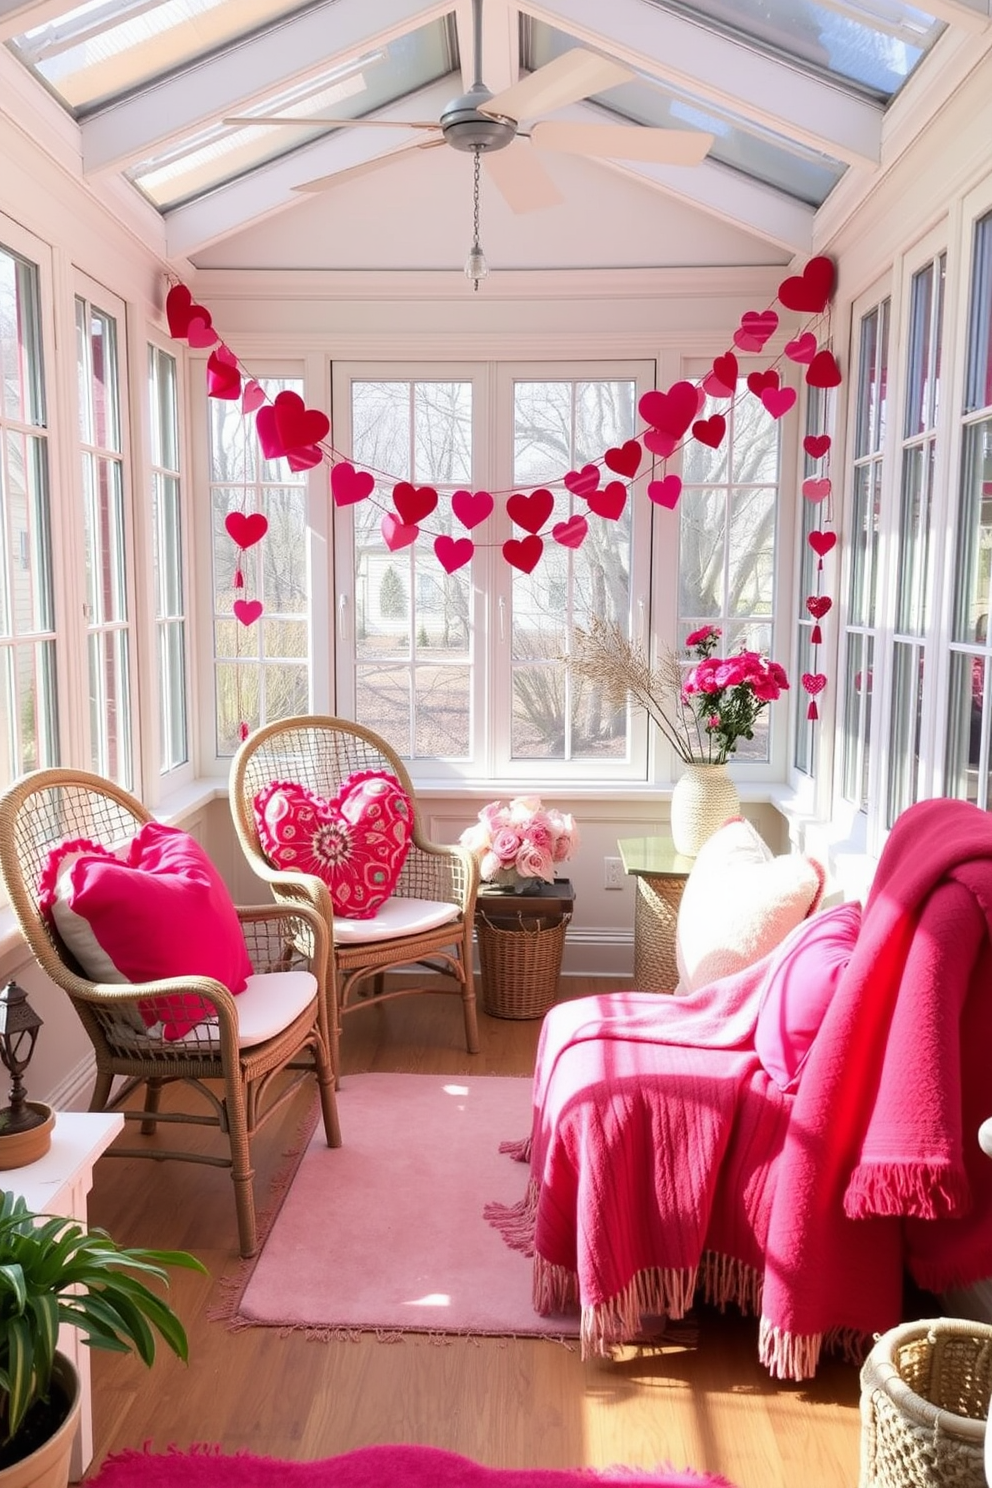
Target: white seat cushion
column 270, row 1002
column 396, row 917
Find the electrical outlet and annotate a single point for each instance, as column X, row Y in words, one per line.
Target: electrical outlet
column 613, row 874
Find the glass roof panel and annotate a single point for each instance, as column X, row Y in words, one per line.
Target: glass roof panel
column 800, row 172
column 93, row 53
column 875, row 44
column 219, row 153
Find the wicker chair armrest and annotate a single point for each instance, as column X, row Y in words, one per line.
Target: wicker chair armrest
column 130, row 994
column 443, row 871
column 286, row 936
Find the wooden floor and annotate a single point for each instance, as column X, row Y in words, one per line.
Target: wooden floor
column 703, row 1401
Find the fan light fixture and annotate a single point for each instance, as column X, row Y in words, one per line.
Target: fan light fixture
column 476, row 268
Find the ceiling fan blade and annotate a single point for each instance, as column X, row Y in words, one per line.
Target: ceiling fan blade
column 521, row 179
column 323, row 183
column 623, row 142
column 305, row 120
column 575, row 74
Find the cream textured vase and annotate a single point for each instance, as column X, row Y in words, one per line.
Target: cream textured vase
column 703, row 798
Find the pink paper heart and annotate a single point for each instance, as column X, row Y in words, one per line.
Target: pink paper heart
column 248, row 610
column 625, row 460
column 673, row 411
column 296, row 424
column 610, row 501
column 814, row 682
column 523, row 552
column 721, row 382
column 816, row 490
column 659, row 443
column 766, row 378
column 665, row 492
column 253, row 396
column 755, row 329
column 571, row 534
column 530, row 512
column 453, row 553
column 305, row 457
column 803, row 349
column 822, row 542
column 778, row 401
column 397, row 534
column 246, row 528
column 199, row 332
column 471, row 507
column 414, row 503
column 223, row 375
column 581, row 482
column 349, row 485
column 816, row 445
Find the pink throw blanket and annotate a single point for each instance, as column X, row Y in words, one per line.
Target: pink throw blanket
column 663, row 1160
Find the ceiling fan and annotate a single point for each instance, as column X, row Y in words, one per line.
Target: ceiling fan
column 486, row 125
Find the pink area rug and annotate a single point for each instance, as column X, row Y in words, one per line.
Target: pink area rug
column 369, row 1467
column 386, row 1233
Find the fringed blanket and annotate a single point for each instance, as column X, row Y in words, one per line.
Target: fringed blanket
column 665, row 1164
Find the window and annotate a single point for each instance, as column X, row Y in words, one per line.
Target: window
column 859, row 638
column 913, row 554
column 262, row 668
column 99, row 379
column 29, row 738
column 167, row 560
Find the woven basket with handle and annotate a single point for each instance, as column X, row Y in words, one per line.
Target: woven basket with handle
column 520, row 962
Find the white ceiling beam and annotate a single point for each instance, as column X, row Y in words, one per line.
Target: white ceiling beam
column 973, row 15
column 243, row 74
column 269, row 189
column 728, row 73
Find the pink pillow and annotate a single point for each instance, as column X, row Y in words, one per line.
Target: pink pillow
column 157, row 909
column 798, row 986
column 356, row 843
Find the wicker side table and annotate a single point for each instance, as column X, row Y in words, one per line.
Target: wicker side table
column 661, row 873
column 521, row 938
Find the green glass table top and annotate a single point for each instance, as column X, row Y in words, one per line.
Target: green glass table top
column 653, row 857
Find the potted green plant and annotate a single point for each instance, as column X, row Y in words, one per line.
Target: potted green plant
column 55, row 1271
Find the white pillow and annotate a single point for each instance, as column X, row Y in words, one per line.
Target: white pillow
column 739, row 902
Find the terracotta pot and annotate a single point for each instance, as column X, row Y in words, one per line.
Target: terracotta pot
column 17, row 1149
column 703, row 798
column 48, row 1466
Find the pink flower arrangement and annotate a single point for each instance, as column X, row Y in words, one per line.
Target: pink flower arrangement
column 726, row 694
column 523, row 837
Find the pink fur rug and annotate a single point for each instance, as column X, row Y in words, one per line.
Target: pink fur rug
column 369, row 1467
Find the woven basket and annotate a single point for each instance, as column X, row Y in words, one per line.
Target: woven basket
column 925, row 1391
column 520, row 961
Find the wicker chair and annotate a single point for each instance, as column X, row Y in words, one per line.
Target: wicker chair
column 256, row 1072
column 320, row 754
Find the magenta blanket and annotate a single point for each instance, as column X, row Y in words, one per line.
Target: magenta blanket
column 664, row 1162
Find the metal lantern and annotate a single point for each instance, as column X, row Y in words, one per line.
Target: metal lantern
column 19, row 1024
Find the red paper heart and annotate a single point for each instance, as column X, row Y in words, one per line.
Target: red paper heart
column 471, row 507
column 816, row 489
column 816, row 445
column 296, row 424
column 814, row 682
column 348, row 485
column 766, row 378
column 665, row 492
column 671, row 412
column 755, row 328
column 809, row 291
column 571, row 534
column 246, row 529
column 625, row 460
column 822, row 542
column 177, row 310
column 247, row 610
column 722, row 381
column 710, row 431
column 268, row 434
column 453, row 553
column 581, row 482
column 778, row 400
column 610, row 501
column 523, row 552
column 659, row 443
column 823, row 371
column 357, row 842
column 414, row 503
column 530, row 512
column 199, row 331
column 818, row 605
column 304, row 458
column 223, row 376
column 803, row 349
column 397, row 534
column 253, row 396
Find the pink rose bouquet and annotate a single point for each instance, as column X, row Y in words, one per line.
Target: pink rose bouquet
column 524, row 839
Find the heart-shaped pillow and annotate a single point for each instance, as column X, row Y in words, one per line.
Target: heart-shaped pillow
column 357, row 843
